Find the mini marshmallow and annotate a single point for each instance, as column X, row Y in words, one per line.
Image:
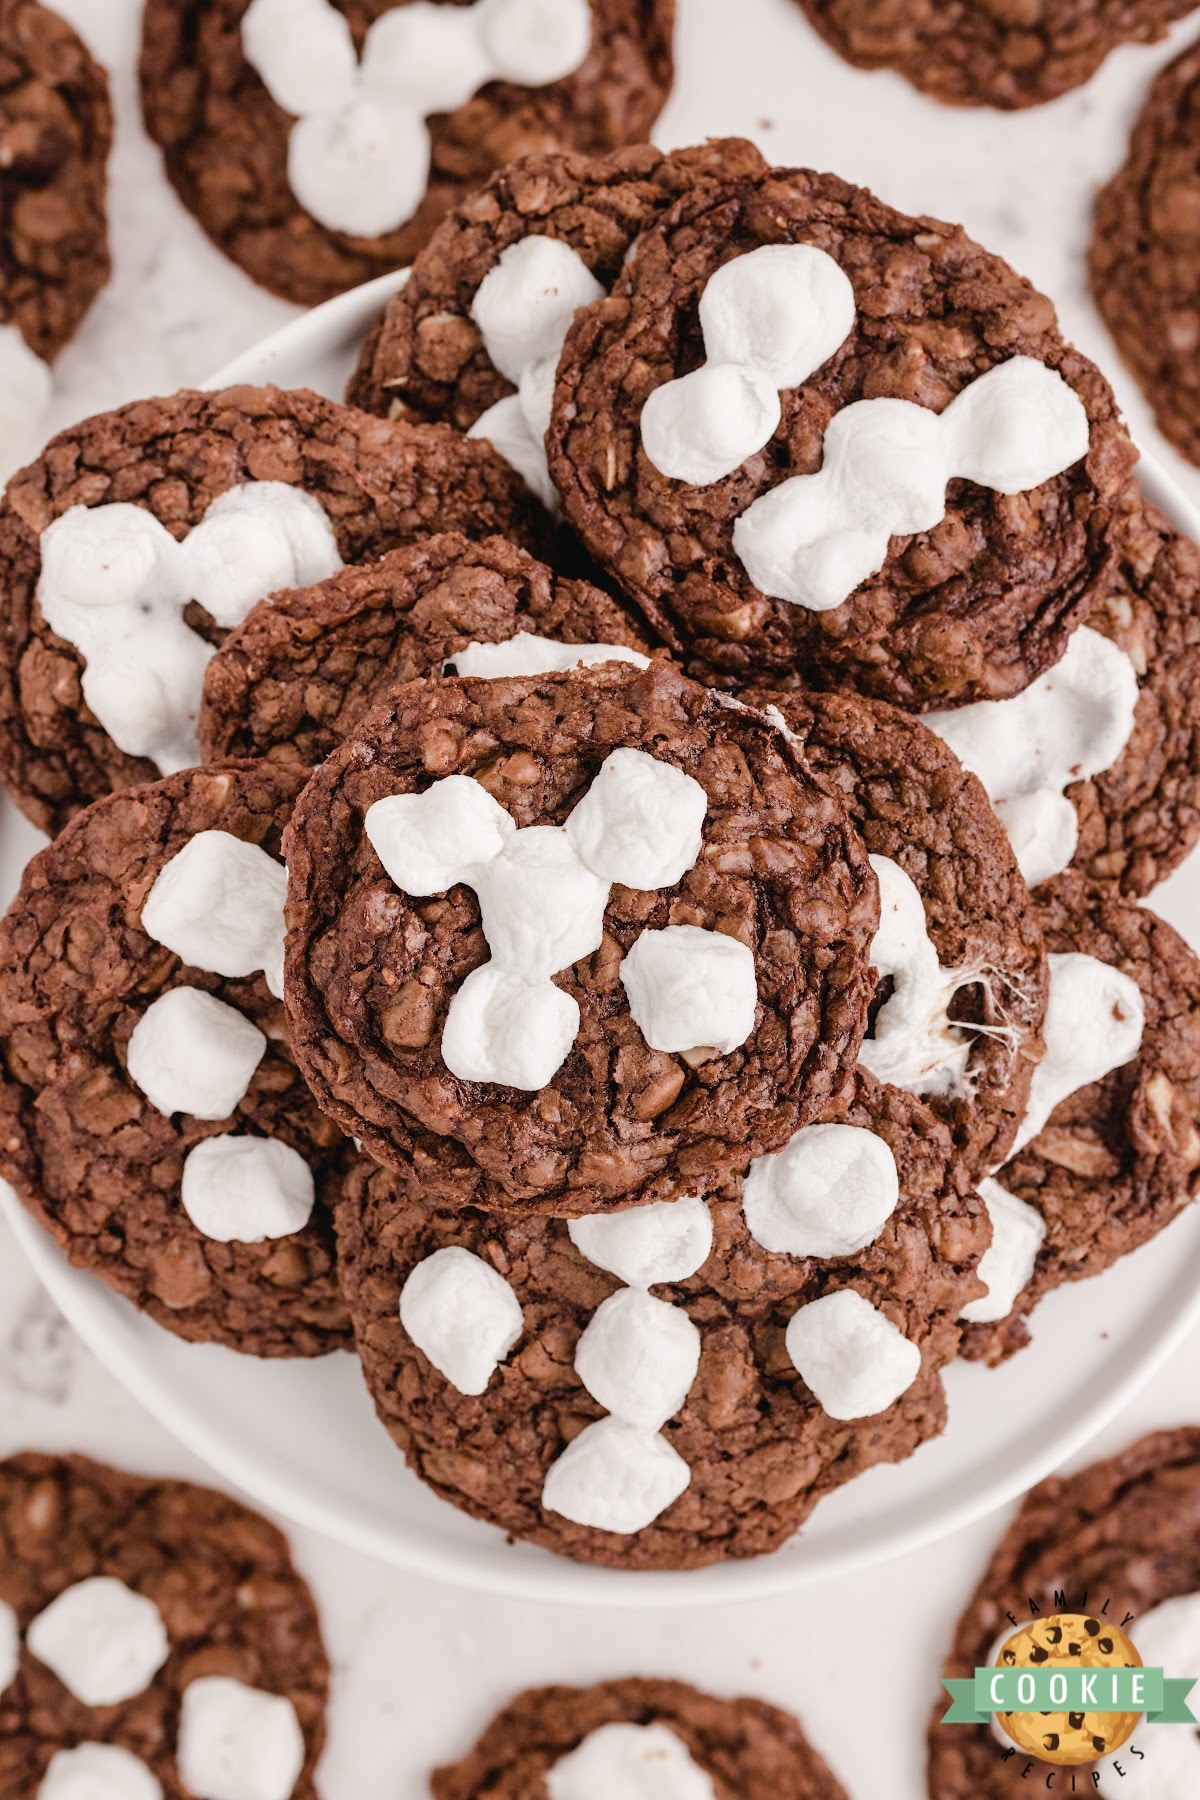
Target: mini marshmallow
column 218, row 904
column 1073, row 722
column 1095, row 1017
column 615, row 1477
column 303, row 51
column 813, row 539
column 27, row 386
column 500, row 1027
column 691, row 989
column 1007, row 1264
column 429, row 841
column 237, row 1742
column 521, row 443
column 629, row 1762
column 540, row 940
column 191, row 1053
column 527, row 654
column 98, row 1772
column 421, row 55
column 245, row 1190
column 361, row 167
column 463, row 1315
column 641, row 822
column 254, row 540
column 534, row 42
column 913, row 1045
column 769, row 319
column 1167, row 1637
column 10, row 1644
column 856, row 1362
column 644, row 1245
column 638, row 1357
column 829, row 1192
column 104, row 1642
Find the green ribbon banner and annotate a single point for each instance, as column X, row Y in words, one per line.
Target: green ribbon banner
column 1042, row 1690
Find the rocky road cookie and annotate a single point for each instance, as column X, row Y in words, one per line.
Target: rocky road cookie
column 959, row 954
column 602, row 929
column 1007, row 53
column 812, row 437
column 1109, row 1150
column 139, row 537
column 1145, row 260
column 55, row 133
column 151, row 1115
column 474, row 335
column 1121, row 1538
column 621, row 1735
column 155, row 1636
column 302, row 669
column 671, row 1386
column 319, row 144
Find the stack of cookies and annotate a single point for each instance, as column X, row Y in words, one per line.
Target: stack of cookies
column 606, row 873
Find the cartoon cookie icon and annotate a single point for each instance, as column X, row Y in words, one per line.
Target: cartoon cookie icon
column 1063, row 1641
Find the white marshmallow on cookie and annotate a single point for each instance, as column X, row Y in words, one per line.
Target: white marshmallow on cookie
column 94, row 1771
column 1007, row 1265
column 829, row 1192
column 218, row 904
column 103, row 1641
column 634, row 1762
column 645, row 1245
column 236, row 1742
column 615, row 1477
column 527, row 654
column 855, row 1361
column 463, row 1315
column 913, row 1043
column 638, row 1357
column 1095, row 1017
column 191, row 1053
column 246, row 1190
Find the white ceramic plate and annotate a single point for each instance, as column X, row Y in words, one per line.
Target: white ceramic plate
column 302, row 1437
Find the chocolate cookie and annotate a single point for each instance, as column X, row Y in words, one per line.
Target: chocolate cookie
column 151, row 1115
column 746, row 1749
column 1121, row 1538
column 160, row 1632
column 1119, row 1156
column 980, row 53
column 875, row 461
column 55, row 134
column 680, row 1426
column 958, row 1025
column 181, row 513
column 1145, row 265
column 299, row 673
column 669, row 970
column 319, row 144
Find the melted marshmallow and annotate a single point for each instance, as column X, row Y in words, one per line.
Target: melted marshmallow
column 523, row 308
column 359, row 152
column 829, row 1192
column 218, row 904
column 813, row 539
column 190, row 1053
column 114, row 583
column 463, row 1315
column 10, row 1644
column 527, row 654
column 25, row 386
column 1095, row 1016
column 104, row 1642
column 632, row 1762
column 638, row 1357
column 856, row 1362
column 98, row 1772
column 1007, row 1265
column 644, row 1245
column 1070, row 724
column 236, row 1742
column 769, row 319
column 615, row 1477
column 1167, row 1637
column 245, row 1190
column 542, row 893
column 691, row 990
column 913, row 1044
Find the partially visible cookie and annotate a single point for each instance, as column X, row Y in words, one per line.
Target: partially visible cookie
column 152, row 1117
column 138, row 538
column 319, row 144
column 602, row 930
column 769, row 1343
column 746, row 1749
column 985, row 53
column 304, row 666
column 816, row 440
column 1118, row 1155
column 160, row 1633
column 1122, row 1536
column 962, row 992
column 55, row 134
column 1145, row 252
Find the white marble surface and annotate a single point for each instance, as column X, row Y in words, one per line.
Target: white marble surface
column 419, row 1667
